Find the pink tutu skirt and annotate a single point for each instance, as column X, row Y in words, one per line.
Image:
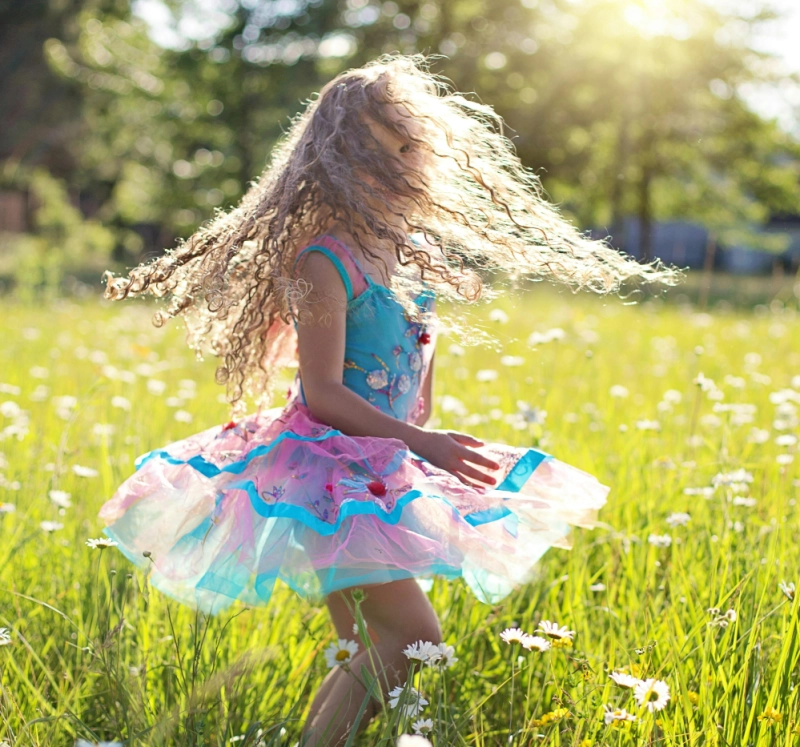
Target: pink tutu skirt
column 222, row 515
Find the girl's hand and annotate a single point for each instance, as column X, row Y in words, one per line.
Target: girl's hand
column 450, row 450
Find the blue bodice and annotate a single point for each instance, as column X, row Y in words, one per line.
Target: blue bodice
column 387, row 353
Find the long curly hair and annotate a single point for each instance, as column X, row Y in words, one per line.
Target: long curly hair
column 465, row 193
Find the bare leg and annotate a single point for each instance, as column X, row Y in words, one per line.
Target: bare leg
column 397, row 614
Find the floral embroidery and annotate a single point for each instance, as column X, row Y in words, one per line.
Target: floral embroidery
column 377, row 379
column 414, row 361
column 275, row 494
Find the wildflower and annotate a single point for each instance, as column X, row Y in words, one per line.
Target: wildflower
column 771, row 714
column 660, row 540
column 423, row 651
column 623, row 679
column 101, row 543
column 514, row 635
column 499, row 316
column 535, row 642
column 694, row 698
column 156, row 387
column 512, row 360
column 7, row 508
column 758, row 436
column 486, row 374
column 423, row 726
column 597, row 587
column 617, row 715
column 678, row 519
column 704, row 383
column 618, row 391
column 5, row 637
column 648, row 425
column 121, row 402
column 784, row 459
column 652, row 693
column 412, row 700
column 551, row 718
column 560, row 636
column 103, row 429
column 341, row 653
column 84, row 471
column 731, row 478
column 789, row 589
column 412, row 740
column 705, row 492
column 538, row 338
column 60, row 498
column 182, row 416
column 50, row 526
column 446, row 656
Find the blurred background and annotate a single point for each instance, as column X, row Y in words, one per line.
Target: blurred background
column 670, row 126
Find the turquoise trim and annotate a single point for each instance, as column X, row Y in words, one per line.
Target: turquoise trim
column 522, row 470
column 513, row 482
column 337, row 263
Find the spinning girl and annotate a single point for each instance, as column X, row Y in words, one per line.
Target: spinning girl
column 390, row 191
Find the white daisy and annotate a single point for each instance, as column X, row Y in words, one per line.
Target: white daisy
column 50, row 526
column 678, row 519
column 60, row 498
column 412, row 740
column 652, row 693
column 84, row 471
column 536, row 642
column 423, row 726
column 341, row 653
column 553, row 630
column 423, row 651
column 447, row 656
column 513, row 635
column 101, row 543
column 412, row 700
column 660, row 540
column 788, row 589
column 624, row 680
column 7, row 508
column 616, row 714
column 5, row 636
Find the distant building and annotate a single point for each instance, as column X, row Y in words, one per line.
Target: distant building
column 685, row 244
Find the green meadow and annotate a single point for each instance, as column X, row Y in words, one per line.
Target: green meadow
column 692, row 418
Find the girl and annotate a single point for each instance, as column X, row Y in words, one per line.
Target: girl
column 389, row 191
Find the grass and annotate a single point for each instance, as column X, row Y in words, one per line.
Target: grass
column 95, row 654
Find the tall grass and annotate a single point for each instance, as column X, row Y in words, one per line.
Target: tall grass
column 95, row 654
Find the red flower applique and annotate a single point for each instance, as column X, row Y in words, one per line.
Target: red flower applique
column 377, row 488
column 424, row 338
column 329, row 487
column 228, row 426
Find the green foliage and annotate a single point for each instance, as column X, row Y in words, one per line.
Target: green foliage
column 626, row 108
column 95, row 653
column 61, row 238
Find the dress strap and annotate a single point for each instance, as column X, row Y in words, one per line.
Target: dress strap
column 353, row 276
column 337, row 263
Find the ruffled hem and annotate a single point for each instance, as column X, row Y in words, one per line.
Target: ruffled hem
column 223, row 516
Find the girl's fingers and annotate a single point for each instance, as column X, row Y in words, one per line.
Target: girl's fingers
column 465, row 439
column 476, row 475
column 477, row 458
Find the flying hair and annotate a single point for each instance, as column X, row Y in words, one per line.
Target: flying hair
column 462, row 191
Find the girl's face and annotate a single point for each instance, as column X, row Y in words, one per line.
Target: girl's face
column 409, row 150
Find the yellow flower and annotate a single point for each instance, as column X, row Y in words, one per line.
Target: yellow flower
column 587, row 742
column 551, row 717
column 561, row 643
column 771, row 714
column 694, row 698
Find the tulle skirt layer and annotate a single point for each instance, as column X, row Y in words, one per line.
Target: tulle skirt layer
column 224, row 514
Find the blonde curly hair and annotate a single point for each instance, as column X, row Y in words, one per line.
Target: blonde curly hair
column 479, row 210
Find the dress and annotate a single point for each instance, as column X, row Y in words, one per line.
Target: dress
column 280, row 495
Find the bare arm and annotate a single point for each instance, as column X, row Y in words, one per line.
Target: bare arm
column 321, row 344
